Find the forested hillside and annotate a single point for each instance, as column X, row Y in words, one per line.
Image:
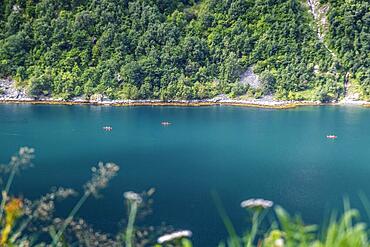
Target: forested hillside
column 349, row 36
column 183, row 49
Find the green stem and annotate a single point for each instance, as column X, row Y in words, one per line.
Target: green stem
column 21, row 229
column 234, row 239
column 70, row 218
column 6, row 191
column 255, row 224
column 130, row 224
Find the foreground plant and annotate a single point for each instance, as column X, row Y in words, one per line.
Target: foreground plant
column 176, row 239
column 133, row 201
column 13, row 207
column 256, row 207
column 288, row 231
column 19, row 161
column 13, row 210
column 22, row 218
column 17, row 214
column 23, row 221
column 100, row 178
column 40, row 211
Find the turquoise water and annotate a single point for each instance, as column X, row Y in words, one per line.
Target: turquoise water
column 281, row 155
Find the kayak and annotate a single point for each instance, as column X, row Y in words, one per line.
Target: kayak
column 107, row 128
column 165, row 123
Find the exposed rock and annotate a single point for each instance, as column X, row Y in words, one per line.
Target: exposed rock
column 96, row 97
column 350, row 92
column 316, row 69
column 319, row 12
column 355, row 96
column 250, row 78
column 79, row 99
column 8, row 91
column 16, row 8
column 220, row 97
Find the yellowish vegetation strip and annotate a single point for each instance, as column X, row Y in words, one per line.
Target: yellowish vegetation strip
column 287, row 105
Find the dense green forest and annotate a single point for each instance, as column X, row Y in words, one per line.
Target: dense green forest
column 183, row 49
column 349, row 37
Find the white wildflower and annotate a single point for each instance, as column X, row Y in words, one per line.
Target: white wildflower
column 173, row 236
column 22, row 159
column 44, row 210
column 133, row 197
column 279, row 242
column 62, row 193
column 256, row 203
column 57, row 221
column 150, row 192
column 44, row 207
column 100, row 178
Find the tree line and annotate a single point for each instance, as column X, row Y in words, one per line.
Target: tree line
column 180, row 49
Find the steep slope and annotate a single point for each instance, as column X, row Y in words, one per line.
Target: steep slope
column 349, row 37
column 172, row 49
column 347, row 34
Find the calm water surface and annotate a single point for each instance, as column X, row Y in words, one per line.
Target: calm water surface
column 281, row 155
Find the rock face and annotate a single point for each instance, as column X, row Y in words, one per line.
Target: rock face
column 319, row 12
column 249, row 77
column 97, row 97
column 8, row 91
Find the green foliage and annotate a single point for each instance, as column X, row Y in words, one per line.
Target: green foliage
column 345, row 231
column 349, row 36
column 239, row 89
column 139, row 49
column 268, row 82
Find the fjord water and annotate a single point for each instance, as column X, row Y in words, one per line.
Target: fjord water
column 281, row 155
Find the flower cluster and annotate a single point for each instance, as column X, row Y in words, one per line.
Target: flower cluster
column 22, row 159
column 100, row 178
column 62, row 193
column 174, row 236
column 256, row 203
column 43, row 208
column 133, row 197
column 146, row 206
column 84, row 235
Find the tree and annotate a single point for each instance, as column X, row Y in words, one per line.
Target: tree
column 267, row 83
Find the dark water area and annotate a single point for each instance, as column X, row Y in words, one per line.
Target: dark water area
column 280, row 155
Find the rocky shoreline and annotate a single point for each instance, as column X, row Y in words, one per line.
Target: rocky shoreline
column 207, row 102
column 10, row 94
